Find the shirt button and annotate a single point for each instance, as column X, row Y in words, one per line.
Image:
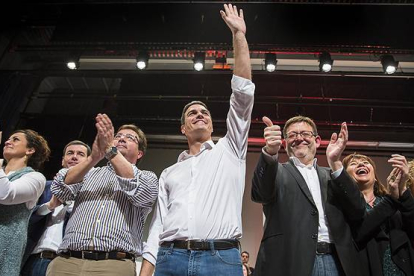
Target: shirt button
column 98, row 221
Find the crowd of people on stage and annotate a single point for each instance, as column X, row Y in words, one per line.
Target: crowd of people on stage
column 89, row 220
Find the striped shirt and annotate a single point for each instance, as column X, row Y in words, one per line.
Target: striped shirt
column 109, row 211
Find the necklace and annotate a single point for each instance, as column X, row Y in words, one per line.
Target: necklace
column 371, row 200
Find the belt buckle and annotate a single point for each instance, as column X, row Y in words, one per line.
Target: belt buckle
column 188, row 244
column 86, row 252
column 324, row 248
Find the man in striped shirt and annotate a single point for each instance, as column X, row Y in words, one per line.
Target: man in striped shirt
column 104, row 232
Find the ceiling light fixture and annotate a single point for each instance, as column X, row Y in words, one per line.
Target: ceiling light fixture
column 270, row 62
column 142, row 60
column 389, row 65
column 199, row 60
column 325, row 62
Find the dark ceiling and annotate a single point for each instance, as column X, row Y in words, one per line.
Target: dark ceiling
column 38, row 92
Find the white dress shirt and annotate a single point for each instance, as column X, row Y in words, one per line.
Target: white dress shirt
column 310, row 175
column 200, row 197
column 312, row 180
column 26, row 189
column 52, row 236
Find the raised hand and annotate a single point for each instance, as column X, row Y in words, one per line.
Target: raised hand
column 336, row 146
column 104, row 137
column 400, row 164
column 105, row 132
column 273, row 136
column 233, row 19
column 393, row 181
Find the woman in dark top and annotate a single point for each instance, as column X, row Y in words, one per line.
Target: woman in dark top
column 383, row 237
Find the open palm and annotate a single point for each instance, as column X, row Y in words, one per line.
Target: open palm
column 337, row 144
column 233, row 19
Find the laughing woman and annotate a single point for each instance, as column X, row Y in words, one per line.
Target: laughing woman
column 384, row 235
column 20, row 187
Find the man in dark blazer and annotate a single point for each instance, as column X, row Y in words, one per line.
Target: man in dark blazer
column 308, row 208
column 48, row 217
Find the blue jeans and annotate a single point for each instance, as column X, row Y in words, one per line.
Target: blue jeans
column 183, row 262
column 326, row 265
column 35, row 266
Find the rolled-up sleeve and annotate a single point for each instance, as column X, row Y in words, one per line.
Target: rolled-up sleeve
column 239, row 116
column 62, row 191
column 142, row 190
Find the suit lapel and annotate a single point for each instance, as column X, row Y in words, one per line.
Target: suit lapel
column 300, row 180
column 323, row 183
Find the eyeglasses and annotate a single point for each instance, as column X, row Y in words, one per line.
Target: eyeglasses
column 129, row 137
column 304, row 134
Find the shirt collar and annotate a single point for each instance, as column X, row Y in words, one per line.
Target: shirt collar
column 185, row 154
column 297, row 162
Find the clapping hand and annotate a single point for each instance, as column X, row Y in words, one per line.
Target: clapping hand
column 398, row 176
column 104, row 137
column 336, row 146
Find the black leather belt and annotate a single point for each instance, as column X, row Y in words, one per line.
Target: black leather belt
column 202, row 245
column 323, row 248
column 50, row 255
column 98, row 255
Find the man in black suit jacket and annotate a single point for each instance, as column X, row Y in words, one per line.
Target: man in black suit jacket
column 47, row 217
column 308, row 208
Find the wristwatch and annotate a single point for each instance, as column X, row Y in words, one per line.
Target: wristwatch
column 111, row 152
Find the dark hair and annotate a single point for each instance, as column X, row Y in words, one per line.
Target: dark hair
column 78, row 142
column 299, row 119
column 142, row 139
column 245, row 252
column 39, row 144
column 379, row 188
column 187, row 106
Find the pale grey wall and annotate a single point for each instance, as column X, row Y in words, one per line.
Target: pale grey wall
column 158, row 159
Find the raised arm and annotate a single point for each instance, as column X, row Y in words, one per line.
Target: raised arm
column 103, row 141
column 264, row 178
column 235, row 21
column 335, row 148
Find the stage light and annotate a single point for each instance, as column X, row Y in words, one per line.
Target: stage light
column 199, row 58
column 72, row 63
column 142, row 60
column 325, row 62
column 389, row 65
column 270, row 62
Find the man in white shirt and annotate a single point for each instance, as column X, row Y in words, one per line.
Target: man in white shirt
column 309, row 209
column 197, row 223
column 46, row 226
